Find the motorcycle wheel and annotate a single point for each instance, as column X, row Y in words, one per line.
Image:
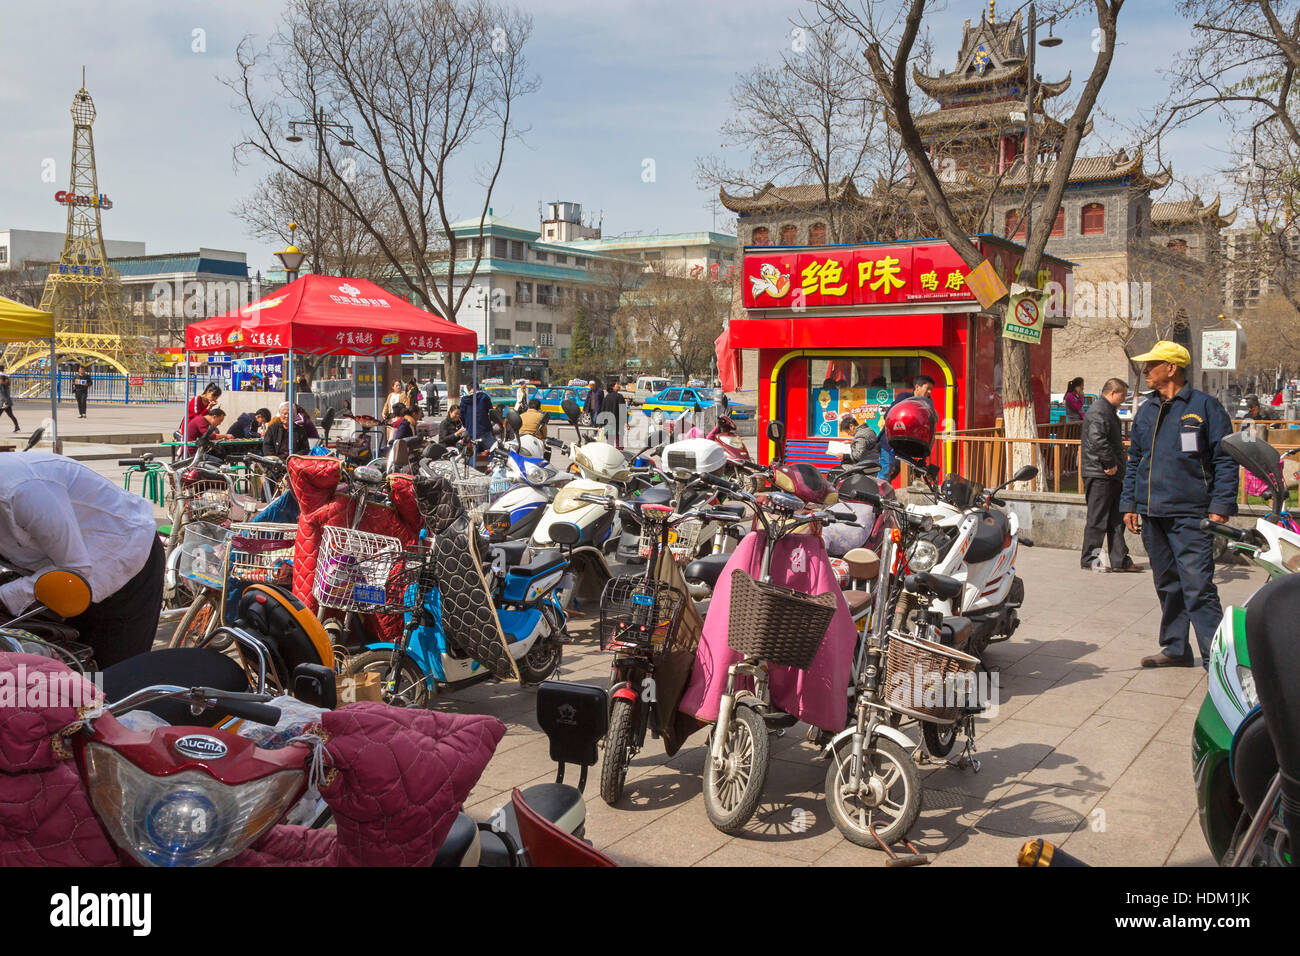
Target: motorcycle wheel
column 891, row 774
column 618, row 751
column 200, row 620
column 939, row 738
column 404, row 687
column 731, row 795
column 541, row 661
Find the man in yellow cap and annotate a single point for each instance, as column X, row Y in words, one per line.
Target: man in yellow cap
column 1177, row 475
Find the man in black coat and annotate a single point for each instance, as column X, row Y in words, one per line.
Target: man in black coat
column 1102, row 468
column 81, row 389
column 611, row 413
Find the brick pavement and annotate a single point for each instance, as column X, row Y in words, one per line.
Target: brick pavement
column 1087, row 749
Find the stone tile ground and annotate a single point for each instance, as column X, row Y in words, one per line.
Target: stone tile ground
column 1087, row 749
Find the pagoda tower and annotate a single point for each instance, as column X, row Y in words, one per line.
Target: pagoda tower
column 981, row 121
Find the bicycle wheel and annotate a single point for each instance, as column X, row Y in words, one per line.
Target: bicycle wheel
column 888, row 797
column 199, row 621
column 618, row 751
column 732, row 791
column 403, row 686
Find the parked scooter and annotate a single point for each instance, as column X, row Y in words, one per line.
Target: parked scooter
column 975, row 543
column 1230, row 717
column 534, row 481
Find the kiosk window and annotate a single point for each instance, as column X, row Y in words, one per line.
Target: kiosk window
column 863, row 387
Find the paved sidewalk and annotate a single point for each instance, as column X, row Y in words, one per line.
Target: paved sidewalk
column 1088, row 749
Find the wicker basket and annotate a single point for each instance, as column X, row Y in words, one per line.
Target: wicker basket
column 921, row 677
column 775, row 624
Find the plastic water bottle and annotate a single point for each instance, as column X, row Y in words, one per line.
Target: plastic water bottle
column 499, row 483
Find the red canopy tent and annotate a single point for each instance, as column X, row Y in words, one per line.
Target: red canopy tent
column 328, row 315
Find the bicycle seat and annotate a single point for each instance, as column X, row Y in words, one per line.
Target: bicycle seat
column 940, row 585
column 514, row 551
column 707, row 569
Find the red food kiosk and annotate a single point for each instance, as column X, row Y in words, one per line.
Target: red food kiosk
column 844, row 329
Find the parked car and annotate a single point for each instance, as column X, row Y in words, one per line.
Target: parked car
column 674, row 402
column 552, row 396
column 646, row 386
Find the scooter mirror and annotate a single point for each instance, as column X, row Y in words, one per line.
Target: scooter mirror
column 327, row 422
column 64, row 592
column 775, row 431
column 1027, row 473
column 514, row 420
column 571, row 411
column 35, row 439
column 566, row 533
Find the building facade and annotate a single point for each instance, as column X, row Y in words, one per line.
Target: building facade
column 22, row 249
column 1142, row 270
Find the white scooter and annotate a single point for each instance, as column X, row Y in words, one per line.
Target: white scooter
column 972, row 544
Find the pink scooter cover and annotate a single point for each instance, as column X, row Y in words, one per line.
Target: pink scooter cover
column 818, row 695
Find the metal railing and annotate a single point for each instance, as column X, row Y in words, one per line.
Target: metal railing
column 105, row 388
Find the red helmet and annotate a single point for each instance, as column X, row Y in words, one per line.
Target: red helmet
column 909, row 426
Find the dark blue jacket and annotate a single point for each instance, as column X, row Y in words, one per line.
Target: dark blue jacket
column 479, row 429
column 1176, row 466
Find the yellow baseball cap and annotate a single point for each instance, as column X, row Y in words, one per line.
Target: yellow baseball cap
column 1164, row 351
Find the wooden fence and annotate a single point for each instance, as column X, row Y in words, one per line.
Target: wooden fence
column 984, row 455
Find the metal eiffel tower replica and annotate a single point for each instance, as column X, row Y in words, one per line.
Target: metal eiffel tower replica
column 92, row 321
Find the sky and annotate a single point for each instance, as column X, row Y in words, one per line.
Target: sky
column 621, row 81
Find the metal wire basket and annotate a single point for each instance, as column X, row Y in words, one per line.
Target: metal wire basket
column 637, row 612
column 683, row 540
column 775, row 624
column 474, row 493
column 354, row 568
column 926, row 680
column 203, row 553
column 261, row 551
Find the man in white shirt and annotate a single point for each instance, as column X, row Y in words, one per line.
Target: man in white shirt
column 57, row 513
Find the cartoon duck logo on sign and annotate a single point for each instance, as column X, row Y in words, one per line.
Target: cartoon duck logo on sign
column 769, row 280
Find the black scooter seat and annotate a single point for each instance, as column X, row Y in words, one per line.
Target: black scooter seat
column 658, row 495
column 940, row 585
column 547, row 561
column 456, row 844
column 707, row 569
column 514, row 551
column 737, row 510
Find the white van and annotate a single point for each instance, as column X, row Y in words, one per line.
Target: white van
column 648, row 385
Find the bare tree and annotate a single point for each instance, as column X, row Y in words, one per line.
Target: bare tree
column 889, row 39
column 674, row 318
column 813, row 119
column 1272, row 332
column 424, row 84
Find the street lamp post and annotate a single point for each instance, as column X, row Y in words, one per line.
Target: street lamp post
column 291, row 258
column 321, row 126
column 1031, row 151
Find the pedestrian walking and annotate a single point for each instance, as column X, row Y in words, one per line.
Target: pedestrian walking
column 1074, row 400
column 521, row 397
column 611, row 413
column 1102, row 468
column 431, row 401
column 7, row 401
column 81, row 389
column 595, row 397
column 1178, row 474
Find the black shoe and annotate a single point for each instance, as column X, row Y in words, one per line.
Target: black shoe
column 1163, row 660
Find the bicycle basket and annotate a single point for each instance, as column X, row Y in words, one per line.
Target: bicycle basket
column 203, row 553
column 262, row 551
column 683, row 540
column 412, row 579
column 926, row 680
column 473, row 493
column 637, row 612
column 775, row 624
column 354, row 568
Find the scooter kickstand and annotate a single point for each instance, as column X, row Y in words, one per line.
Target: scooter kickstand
column 967, row 758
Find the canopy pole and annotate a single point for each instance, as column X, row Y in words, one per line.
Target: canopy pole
column 292, row 408
column 185, row 415
column 380, row 434
column 54, row 402
column 473, row 402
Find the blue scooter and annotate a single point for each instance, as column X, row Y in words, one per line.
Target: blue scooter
column 531, row 617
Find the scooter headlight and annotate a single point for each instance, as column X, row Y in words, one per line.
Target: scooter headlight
column 922, row 555
column 183, row 819
column 1247, row 681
